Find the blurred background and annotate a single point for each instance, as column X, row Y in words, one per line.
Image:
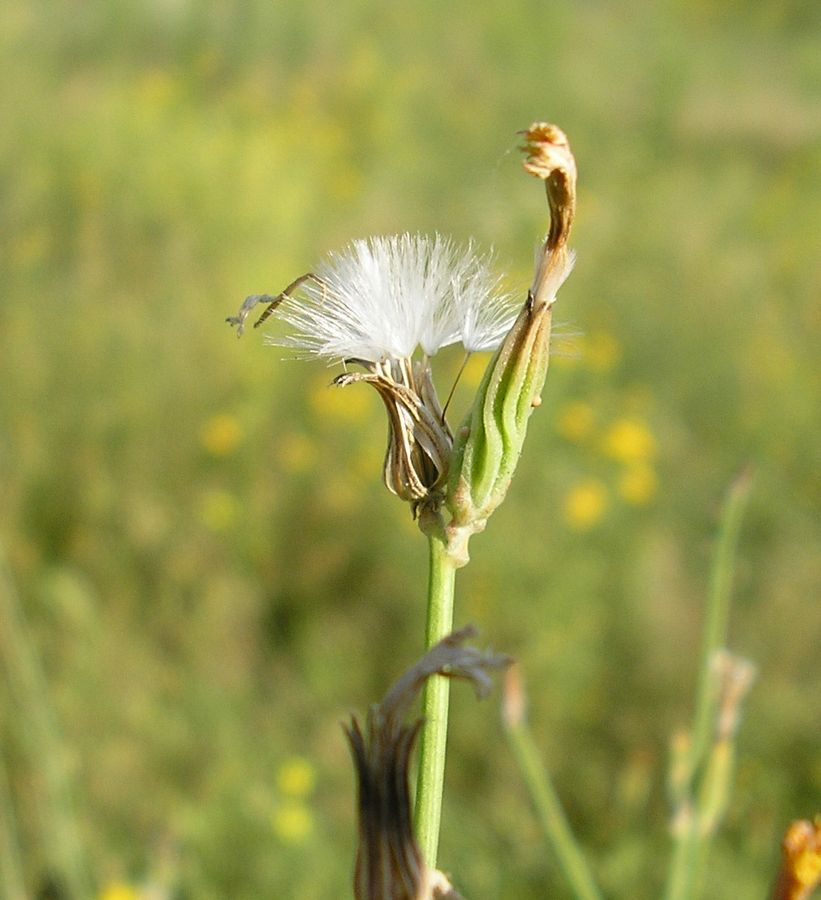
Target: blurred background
column 201, row 573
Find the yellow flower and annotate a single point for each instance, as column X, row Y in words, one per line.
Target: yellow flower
column 219, row 510
column 119, row 890
column 629, row 441
column 292, row 822
column 638, row 484
column 585, row 504
column 156, row 89
column 221, row 435
column 576, row 421
column 801, row 860
column 296, row 777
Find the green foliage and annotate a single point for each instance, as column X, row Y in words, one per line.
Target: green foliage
column 210, row 571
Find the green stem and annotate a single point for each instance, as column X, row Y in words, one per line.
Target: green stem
column 691, row 838
column 551, row 814
column 718, row 613
column 431, row 778
column 685, row 864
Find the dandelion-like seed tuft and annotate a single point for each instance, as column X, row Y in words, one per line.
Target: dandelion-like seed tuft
column 386, row 306
column 384, row 298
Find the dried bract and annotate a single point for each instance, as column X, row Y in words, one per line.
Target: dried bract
column 389, row 863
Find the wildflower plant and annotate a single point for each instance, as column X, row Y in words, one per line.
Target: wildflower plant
column 382, row 308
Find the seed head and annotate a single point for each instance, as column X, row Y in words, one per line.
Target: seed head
column 382, row 298
column 388, row 305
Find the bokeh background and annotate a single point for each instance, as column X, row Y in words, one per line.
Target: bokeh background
column 202, row 574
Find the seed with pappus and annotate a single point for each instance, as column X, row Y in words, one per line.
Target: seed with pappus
column 388, row 305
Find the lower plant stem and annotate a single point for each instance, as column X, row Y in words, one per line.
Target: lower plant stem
column 430, row 783
column 718, row 612
column 551, row 813
column 691, row 838
column 684, row 863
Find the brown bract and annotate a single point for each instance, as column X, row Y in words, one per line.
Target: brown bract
column 419, row 440
column 549, row 158
column 389, row 864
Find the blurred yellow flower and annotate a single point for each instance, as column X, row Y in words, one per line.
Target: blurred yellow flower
column 638, row 484
column 221, row 435
column 219, row 509
column 156, row 88
column 800, row 872
column 602, row 351
column 296, row 777
column 339, row 404
column 119, row 890
column 585, row 504
column 629, row 441
column 576, row 421
column 297, row 452
column 292, row 822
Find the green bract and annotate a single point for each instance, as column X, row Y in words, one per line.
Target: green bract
column 488, row 444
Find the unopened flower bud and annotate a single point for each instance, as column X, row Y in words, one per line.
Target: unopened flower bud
column 488, row 444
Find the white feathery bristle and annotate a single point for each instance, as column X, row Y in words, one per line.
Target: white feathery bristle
column 383, row 297
column 485, row 312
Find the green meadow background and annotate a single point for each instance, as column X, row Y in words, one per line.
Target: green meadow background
column 201, row 574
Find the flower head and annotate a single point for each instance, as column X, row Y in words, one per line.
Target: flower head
column 384, row 297
column 389, row 304
column 384, row 306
